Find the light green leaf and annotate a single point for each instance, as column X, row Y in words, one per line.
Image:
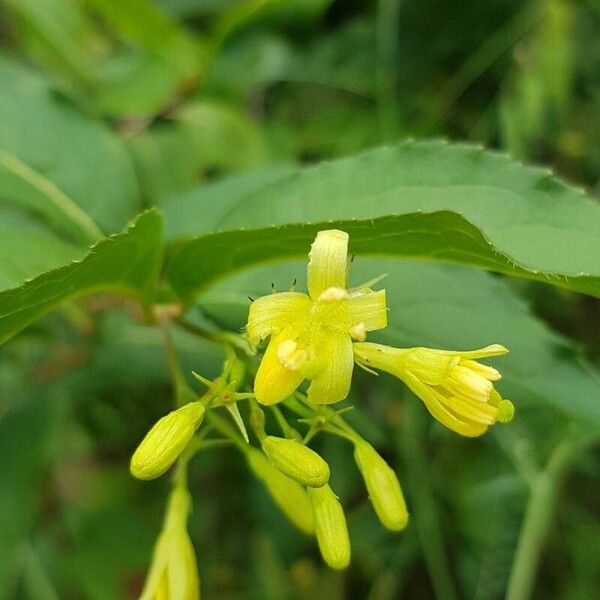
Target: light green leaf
column 423, row 200
column 224, row 136
column 200, row 137
column 27, row 252
column 184, row 214
column 68, row 170
column 449, row 307
column 126, row 263
column 60, row 35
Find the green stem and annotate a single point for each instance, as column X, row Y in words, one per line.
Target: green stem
column 283, row 424
column 539, row 516
column 226, row 429
column 493, row 48
column 183, row 394
column 426, row 513
column 195, row 329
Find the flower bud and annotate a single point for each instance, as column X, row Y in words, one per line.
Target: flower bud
column 330, row 527
column 290, row 496
column 296, row 461
column 174, row 572
column 165, row 441
column 383, row 487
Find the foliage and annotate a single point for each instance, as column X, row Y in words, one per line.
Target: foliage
column 162, row 161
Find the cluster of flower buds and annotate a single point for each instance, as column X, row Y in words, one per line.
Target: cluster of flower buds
column 298, row 480
column 316, row 337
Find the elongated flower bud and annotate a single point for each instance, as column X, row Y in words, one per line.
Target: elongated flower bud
column 290, row 496
column 383, row 487
column 330, row 527
column 165, row 441
column 296, row 461
column 173, row 573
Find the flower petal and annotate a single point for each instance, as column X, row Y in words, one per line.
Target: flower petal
column 492, row 350
column 369, row 308
column 327, row 263
column 182, row 568
column 274, row 382
column 158, row 569
column 270, row 314
column 332, row 383
column 434, row 402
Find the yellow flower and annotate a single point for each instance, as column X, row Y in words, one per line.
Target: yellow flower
column 456, row 389
column 311, row 335
column 173, row 574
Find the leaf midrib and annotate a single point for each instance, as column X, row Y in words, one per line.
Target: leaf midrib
column 68, row 207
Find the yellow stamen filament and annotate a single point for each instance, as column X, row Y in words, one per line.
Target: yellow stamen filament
column 466, row 382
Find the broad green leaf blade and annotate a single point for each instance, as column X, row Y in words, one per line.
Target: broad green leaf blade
column 450, row 307
column 68, row 170
column 424, row 200
column 26, row 253
column 184, row 213
column 126, row 263
column 60, row 35
column 167, row 61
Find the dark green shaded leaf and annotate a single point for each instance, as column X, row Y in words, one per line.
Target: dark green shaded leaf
column 126, row 263
column 426, row 200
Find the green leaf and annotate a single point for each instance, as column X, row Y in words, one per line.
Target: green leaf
column 224, row 136
column 134, row 85
column 26, row 252
column 71, row 172
column 184, row 214
column 126, row 263
column 60, row 35
column 450, row 307
column 26, row 439
column 199, row 138
column 424, row 200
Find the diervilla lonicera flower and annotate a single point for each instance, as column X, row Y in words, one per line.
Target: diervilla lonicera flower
column 319, row 336
column 456, row 389
column 311, row 335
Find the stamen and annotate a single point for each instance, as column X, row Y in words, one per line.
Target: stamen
column 333, row 294
column 488, row 372
column 465, row 382
column 359, row 332
column 290, row 356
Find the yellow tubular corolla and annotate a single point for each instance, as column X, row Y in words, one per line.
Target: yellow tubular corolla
column 456, row 389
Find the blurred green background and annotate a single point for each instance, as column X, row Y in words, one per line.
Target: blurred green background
column 202, row 89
